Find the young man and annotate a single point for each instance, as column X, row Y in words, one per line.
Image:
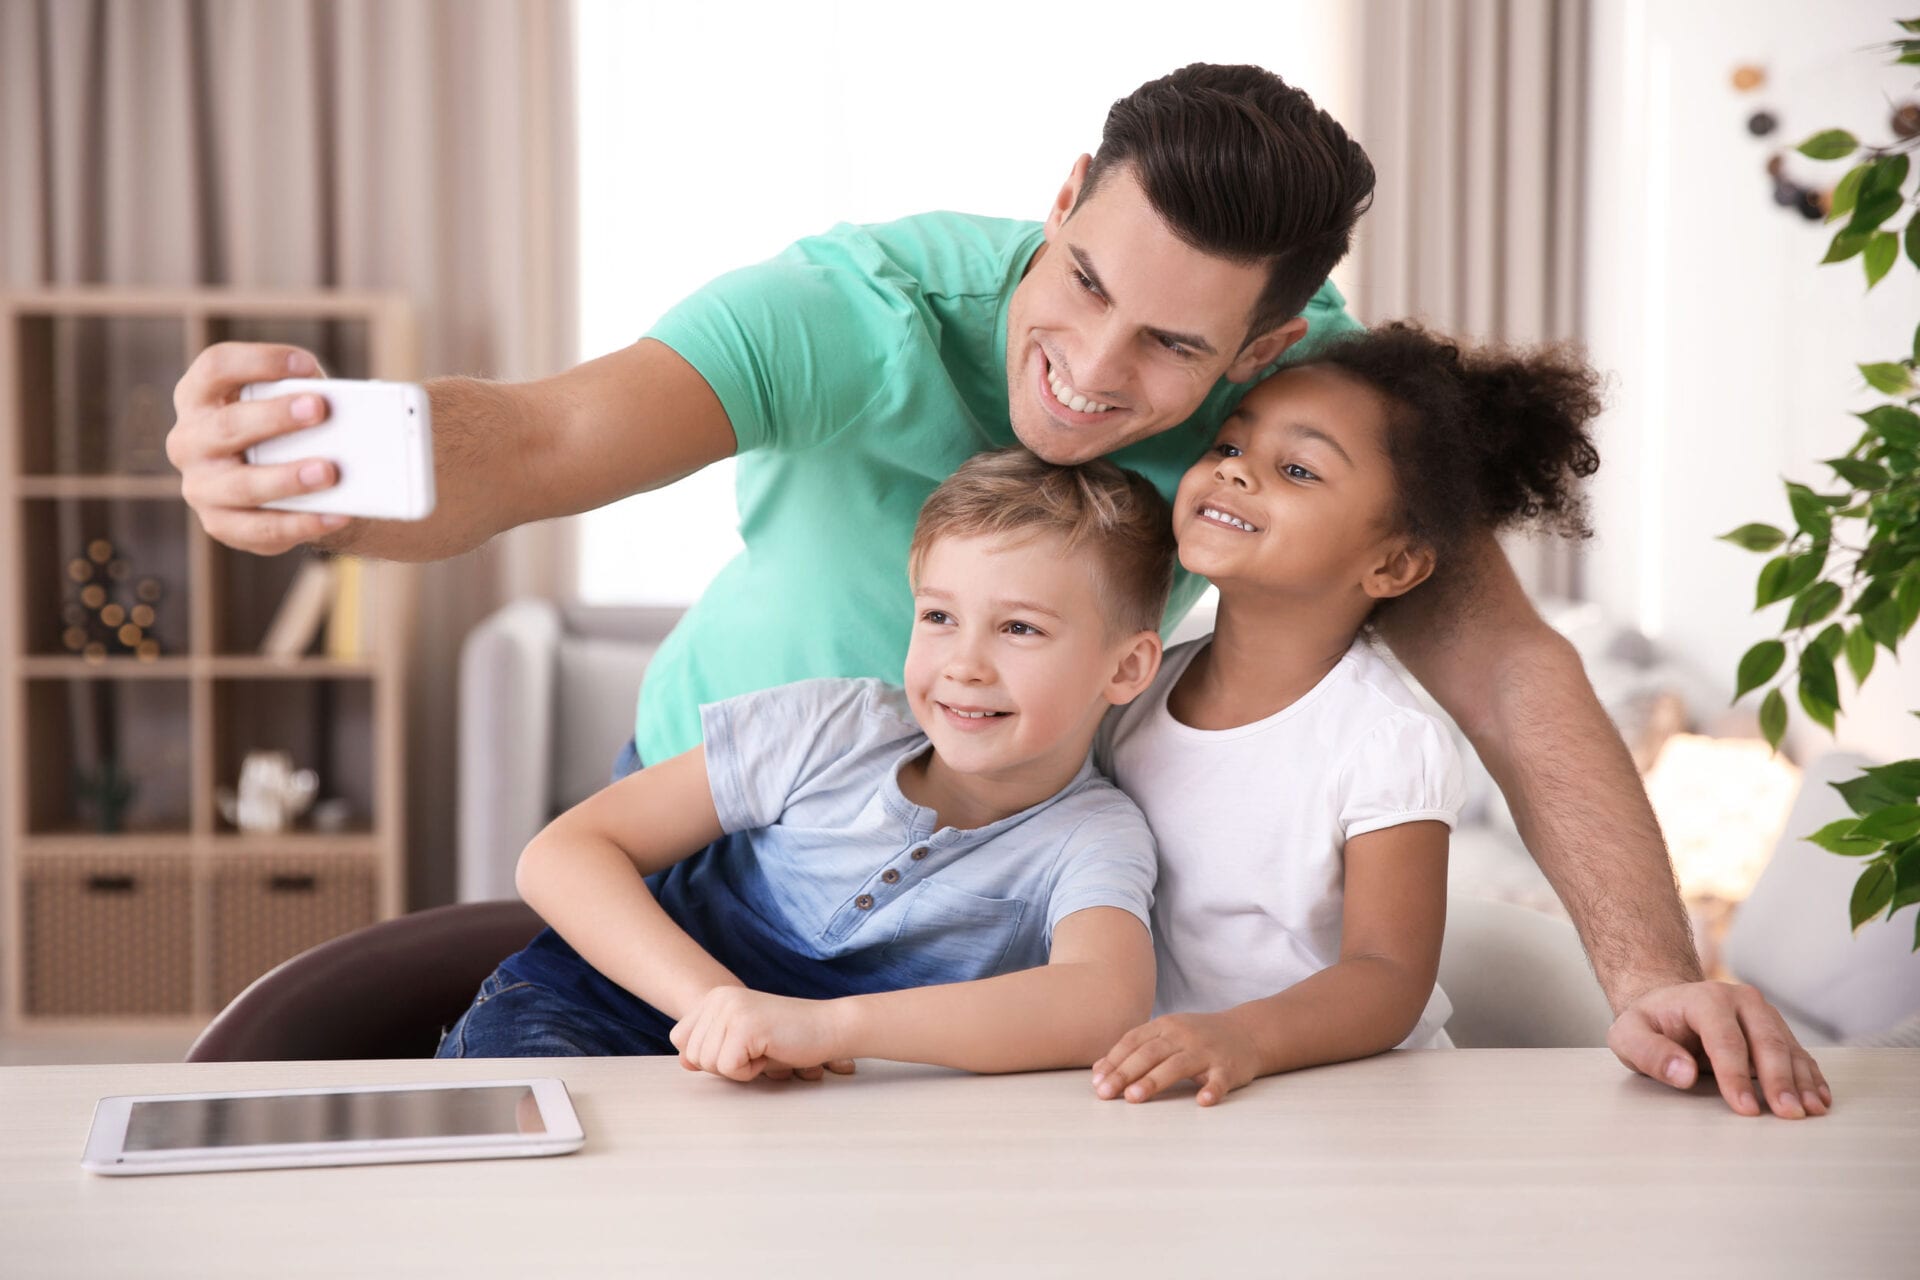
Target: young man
column 854, row 372
column 845, row 869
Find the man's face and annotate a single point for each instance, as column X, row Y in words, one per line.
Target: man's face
column 1009, row 658
column 1119, row 329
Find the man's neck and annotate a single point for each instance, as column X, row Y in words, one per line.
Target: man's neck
column 1265, row 655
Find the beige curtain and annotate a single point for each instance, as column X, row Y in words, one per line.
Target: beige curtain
column 1473, row 113
column 419, row 145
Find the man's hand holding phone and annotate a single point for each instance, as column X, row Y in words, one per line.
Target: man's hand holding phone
column 282, row 500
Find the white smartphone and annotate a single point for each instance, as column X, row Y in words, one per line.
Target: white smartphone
column 378, row 434
column 295, row 1128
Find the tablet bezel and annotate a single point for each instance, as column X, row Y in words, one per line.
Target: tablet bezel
column 106, row 1154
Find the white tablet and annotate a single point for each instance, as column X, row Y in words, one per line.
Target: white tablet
column 365, row 1124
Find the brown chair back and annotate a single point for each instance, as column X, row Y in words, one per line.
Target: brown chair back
column 386, row 991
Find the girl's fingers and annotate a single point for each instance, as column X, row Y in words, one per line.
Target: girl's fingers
column 1171, row 1071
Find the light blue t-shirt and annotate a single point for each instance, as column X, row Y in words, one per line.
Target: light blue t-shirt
column 831, row 882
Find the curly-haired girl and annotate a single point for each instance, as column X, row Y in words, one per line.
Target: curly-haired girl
column 1300, row 796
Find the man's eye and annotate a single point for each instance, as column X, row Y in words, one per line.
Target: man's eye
column 1227, row 450
column 1297, row 472
column 1082, row 279
column 1177, row 348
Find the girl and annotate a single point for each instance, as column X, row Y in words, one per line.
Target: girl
column 1300, row 797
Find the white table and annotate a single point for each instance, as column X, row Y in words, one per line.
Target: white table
column 1517, row 1162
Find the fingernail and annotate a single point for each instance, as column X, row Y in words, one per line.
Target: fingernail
column 306, row 408
column 1826, row 1096
column 1747, row 1103
column 1136, row 1093
column 333, row 522
column 299, row 362
column 313, row 473
column 1677, row 1072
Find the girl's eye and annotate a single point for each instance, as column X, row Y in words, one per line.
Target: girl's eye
column 935, row 616
column 1227, row 450
column 1295, row 471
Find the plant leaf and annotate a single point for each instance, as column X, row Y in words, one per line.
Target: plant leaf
column 1838, row 837
column 1809, row 511
column 1755, row 537
column 1860, row 654
column 1888, row 378
column 1879, row 254
column 1897, row 426
column 1906, row 878
column 1883, row 624
column 1760, row 664
column 1871, row 893
column 1846, row 243
column 1888, row 173
column 1773, row 718
column 1847, row 192
column 1874, row 208
column 1829, row 144
column 1861, row 475
column 1913, row 256
column 1831, row 641
column 1867, row 793
column 1813, row 604
column 1819, row 690
column 1901, row 779
column 1890, row 825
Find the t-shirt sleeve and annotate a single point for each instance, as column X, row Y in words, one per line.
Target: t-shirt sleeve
column 795, row 347
column 1404, row 770
column 1108, row 861
column 1327, row 320
column 764, row 747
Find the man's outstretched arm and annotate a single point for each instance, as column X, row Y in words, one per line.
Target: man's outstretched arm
column 505, row 454
column 1518, row 690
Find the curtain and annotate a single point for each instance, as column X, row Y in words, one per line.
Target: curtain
column 1474, row 114
column 425, row 146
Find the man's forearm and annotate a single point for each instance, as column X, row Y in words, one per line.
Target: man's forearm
column 1582, row 810
column 479, row 428
column 1056, row 1015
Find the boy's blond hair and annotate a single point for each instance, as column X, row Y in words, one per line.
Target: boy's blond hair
column 1116, row 516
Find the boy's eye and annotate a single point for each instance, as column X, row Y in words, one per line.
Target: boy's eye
column 1294, row 471
column 1226, row 450
column 936, row 616
column 1023, row 629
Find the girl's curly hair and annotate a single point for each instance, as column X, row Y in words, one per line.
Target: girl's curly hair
column 1481, row 438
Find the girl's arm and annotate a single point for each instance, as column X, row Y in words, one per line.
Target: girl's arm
column 1392, row 921
column 1097, row 982
column 583, row 874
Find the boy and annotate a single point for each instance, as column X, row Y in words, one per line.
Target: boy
column 846, row 869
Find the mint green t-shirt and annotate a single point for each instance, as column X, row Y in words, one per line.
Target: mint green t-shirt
column 860, row 368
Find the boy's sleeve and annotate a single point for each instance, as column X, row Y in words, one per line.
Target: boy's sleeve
column 795, row 347
column 1109, row 861
column 763, row 747
column 1405, row 770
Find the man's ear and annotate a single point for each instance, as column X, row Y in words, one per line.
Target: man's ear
column 1265, row 349
column 1405, row 566
column 1138, row 663
column 1068, row 197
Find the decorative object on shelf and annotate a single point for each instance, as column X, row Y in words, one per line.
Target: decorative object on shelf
column 96, row 621
column 104, row 790
column 333, row 815
column 1852, row 561
column 272, row 793
column 1811, row 200
column 302, row 611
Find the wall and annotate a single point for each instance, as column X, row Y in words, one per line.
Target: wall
column 1733, row 353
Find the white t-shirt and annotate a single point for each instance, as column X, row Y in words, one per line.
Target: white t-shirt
column 1251, row 824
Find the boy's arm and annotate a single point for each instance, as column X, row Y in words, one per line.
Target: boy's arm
column 1097, row 982
column 1518, row 690
column 583, row 874
column 1392, row 917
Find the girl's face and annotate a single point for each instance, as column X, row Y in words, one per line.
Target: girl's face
column 1296, row 497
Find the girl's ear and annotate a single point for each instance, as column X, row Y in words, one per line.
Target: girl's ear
column 1138, row 662
column 1405, row 566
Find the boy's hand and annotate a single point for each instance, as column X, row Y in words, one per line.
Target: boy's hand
column 741, row 1034
column 1208, row 1047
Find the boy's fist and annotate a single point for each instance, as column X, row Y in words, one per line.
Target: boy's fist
column 1206, row 1047
column 741, row 1034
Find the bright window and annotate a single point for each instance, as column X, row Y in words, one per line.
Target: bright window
column 713, row 136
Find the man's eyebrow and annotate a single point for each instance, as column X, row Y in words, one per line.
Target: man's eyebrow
column 1193, row 340
column 1016, row 606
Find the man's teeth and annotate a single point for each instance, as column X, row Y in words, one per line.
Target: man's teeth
column 1071, row 398
column 1214, row 513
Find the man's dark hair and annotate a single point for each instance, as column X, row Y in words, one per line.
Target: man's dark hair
column 1244, row 167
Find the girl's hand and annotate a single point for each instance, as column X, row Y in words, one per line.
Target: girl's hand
column 1208, row 1047
column 741, row 1034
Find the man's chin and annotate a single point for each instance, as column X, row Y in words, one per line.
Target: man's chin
column 1062, row 445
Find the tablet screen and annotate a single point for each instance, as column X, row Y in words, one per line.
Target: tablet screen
column 175, row 1123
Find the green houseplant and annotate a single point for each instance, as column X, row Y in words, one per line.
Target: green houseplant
column 1849, row 569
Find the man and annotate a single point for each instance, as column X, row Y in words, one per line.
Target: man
column 854, row 373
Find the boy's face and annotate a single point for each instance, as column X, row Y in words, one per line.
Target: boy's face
column 1011, row 656
column 1118, row 311
column 1297, row 496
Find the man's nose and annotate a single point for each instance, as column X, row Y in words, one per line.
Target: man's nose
column 1101, row 369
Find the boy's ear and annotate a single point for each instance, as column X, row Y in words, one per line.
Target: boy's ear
column 1405, row 566
column 1139, row 663
column 1265, row 349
